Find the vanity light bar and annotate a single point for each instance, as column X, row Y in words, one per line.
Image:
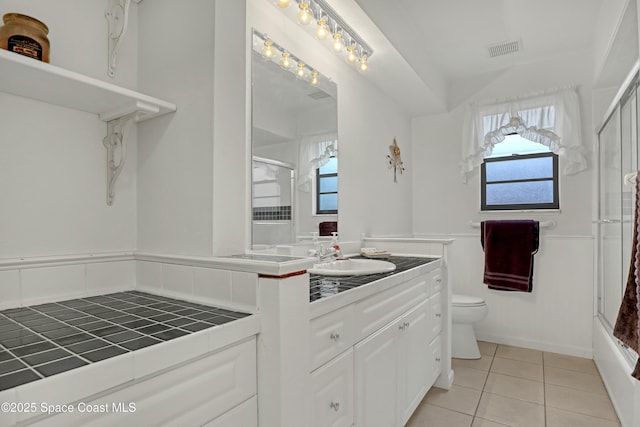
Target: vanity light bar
column 331, row 26
column 331, row 13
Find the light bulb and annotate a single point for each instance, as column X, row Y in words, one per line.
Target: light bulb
column 363, row 66
column 322, row 32
column 337, row 43
column 314, row 79
column 268, row 51
column 283, row 3
column 304, row 15
column 285, row 62
column 300, row 71
column 352, row 57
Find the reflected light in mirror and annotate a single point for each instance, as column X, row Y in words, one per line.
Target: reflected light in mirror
column 314, row 81
column 283, row 3
column 285, row 62
column 337, row 45
column 352, row 56
column 301, row 72
column 268, row 51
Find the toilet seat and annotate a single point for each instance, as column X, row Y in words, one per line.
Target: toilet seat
column 466, row 301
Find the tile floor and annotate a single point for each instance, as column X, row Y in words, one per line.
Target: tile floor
column 513, row 386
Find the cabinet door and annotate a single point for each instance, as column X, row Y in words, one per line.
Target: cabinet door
column 377, row 378
column 415, row 368
column 333, row 392
column 435, row 359
column 245, row 415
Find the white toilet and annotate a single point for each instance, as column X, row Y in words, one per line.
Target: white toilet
column 466, row 310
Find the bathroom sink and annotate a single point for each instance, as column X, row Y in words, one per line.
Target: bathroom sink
column 352, row 267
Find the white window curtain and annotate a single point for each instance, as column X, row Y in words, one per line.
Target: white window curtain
column 551, row 119
column 315, row 151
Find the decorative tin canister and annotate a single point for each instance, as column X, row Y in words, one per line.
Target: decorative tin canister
column 25, row 35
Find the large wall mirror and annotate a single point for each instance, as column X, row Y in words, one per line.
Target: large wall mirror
column 294, row 143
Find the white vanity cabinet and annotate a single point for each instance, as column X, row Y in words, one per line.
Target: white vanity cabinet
column 374, row 359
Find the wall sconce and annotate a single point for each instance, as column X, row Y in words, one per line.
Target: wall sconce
column 332, row 27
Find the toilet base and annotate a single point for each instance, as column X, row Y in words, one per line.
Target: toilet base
column 463, row 342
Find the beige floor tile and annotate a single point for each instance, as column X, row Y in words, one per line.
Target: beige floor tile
column 574, row 379
column 460, row 399
column 514, row 387
column 487, row 348
column 579, row 401
column 518, row 353
column 570, row 362
column 434, row 416
column 517, row 368
column 483, row 364
column 479, row 422
column 469, row 377
column 512, row 412
column 559, row 418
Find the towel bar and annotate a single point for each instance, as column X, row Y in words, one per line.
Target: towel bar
column 543, row 224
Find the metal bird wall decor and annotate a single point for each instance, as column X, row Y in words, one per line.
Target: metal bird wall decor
column 395, row 162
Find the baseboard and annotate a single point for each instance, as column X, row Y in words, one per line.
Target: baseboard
column 536, row 345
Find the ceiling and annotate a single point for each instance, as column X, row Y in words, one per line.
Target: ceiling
column 445, row 42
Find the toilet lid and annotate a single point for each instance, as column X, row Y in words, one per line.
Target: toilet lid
column 466, row 300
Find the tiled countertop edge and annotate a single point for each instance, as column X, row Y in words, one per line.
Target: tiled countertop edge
column 72, row 386
column 272, row 268
column 326, row 305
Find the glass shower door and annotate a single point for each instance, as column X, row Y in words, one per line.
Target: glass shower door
column 272, row 203
column 610, row 219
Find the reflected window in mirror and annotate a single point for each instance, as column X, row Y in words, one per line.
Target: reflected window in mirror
column 327, row 187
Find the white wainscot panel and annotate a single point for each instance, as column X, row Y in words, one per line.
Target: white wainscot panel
column 108, row 277
column 556, row 316
column 177, row 279
column 214, row 286
column 9, row 289
column 148, row 275
column 244, row 290
column 52, row 283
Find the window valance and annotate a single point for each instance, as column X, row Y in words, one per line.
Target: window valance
column 315, row 151
column 552, row 119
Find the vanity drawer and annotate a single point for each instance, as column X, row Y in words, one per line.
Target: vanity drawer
column 332, row 391
column 331, row 334
column 378, row 310
column 435, row 281
column 436, row 314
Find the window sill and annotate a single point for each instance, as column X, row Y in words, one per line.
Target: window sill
column 508, row 211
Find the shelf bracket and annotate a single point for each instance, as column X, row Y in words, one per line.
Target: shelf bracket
column 116, row 146
column 117, row 17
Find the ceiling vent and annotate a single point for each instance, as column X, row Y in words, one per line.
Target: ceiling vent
column 504, row 48
column 318, row 95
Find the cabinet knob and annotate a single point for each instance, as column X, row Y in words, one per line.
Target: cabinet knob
column 438, row 315
column 401, row 327
column 437, row 359
column 407, row 324
column 335, row 406
column 334, row 336
column 439, row 280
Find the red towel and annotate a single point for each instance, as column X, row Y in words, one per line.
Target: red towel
column 509, row 247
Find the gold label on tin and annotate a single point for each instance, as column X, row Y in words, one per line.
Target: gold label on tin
column 25, row 46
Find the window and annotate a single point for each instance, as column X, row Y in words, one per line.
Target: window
column 327, row 187
column 519, row 174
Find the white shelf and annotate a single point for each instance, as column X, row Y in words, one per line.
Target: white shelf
column 37, row 80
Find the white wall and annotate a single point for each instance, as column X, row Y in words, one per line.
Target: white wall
column 557, row 316
column 193, row 164
column 53, row 162
column 367, row 123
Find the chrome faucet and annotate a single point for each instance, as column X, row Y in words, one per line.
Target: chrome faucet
column 324, row 253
